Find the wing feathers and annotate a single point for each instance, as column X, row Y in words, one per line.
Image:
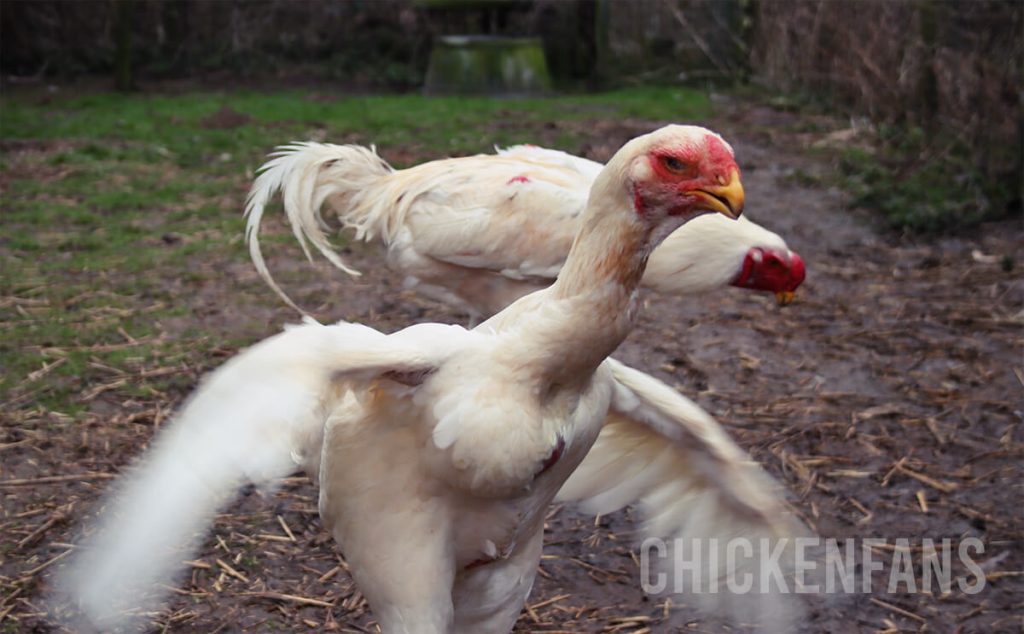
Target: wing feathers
column 695, row 488
column 257, row 418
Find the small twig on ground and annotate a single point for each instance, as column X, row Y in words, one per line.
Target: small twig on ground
column 898, row 610
column 290, row 598
column 81, row 477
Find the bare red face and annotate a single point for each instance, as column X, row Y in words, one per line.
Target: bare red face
column 696, row 178
column 711, row 164
column 774, row 271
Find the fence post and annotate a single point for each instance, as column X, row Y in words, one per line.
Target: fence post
column 123, row 10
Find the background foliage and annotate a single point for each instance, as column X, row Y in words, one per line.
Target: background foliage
column 933, row 88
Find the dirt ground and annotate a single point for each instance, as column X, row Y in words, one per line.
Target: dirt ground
column 887, row 400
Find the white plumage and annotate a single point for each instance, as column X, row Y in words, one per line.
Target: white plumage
column 438, row 449
column 479, row 232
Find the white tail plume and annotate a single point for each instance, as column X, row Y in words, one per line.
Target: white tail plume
column 307, row 175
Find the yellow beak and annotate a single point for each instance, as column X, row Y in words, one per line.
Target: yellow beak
column 726, row 199
column 784, row 298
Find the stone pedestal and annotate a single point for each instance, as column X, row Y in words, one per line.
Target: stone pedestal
column 487, row 65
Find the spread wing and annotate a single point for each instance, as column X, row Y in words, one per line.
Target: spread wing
column 258, row 418
column 662, row 452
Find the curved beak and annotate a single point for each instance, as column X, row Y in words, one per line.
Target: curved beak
column 726, row 198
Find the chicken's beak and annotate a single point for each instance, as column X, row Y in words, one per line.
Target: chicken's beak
column 784, row 298
column 725, row 198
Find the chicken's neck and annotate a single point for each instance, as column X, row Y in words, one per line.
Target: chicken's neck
column 593, row 300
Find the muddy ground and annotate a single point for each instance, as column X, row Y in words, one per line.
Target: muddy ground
column 887, row 400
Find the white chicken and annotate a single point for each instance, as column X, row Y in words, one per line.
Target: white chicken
column 438, row 449
column 479, row 232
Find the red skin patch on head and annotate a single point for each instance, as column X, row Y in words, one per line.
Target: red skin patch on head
column 518, row 179
column 706, row 167
column 767, row 270
column 747, row 271
column 720, row 158
column 687, row 156
column 712, row 165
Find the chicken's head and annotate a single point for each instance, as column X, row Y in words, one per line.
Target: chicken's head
column 685, row 171
column 778, row 271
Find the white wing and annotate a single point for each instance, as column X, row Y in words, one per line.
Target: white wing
column 256, row 419
column 508, row 215
column 662, row 452
column 587, row 168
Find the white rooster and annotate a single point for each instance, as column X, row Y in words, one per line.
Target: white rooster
column 479, row 232
column 438, row 449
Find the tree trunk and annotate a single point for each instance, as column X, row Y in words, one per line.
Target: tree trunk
column 123, row 79
column 602, row 44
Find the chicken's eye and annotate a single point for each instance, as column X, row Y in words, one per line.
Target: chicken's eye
column 678, row 167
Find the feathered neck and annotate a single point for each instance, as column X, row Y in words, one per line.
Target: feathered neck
column 610, row 248
column 565, row 331
column 576, row 323
column 611, row 245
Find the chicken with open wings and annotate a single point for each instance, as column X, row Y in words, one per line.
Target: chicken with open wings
column 438, row 449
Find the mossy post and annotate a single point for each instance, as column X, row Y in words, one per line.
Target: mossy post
column 478, row 64
column 484, row 63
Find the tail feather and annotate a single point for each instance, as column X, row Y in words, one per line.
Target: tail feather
column 307, row 175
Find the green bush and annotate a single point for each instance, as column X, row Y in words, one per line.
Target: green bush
column 925, row 184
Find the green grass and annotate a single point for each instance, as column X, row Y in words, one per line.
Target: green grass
column 924, row 184
column 116, row 210
column 155, row 128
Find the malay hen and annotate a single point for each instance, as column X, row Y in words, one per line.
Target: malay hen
column 437, row 448
column 479, row 232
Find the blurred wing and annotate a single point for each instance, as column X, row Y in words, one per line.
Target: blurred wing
column 256, row 419
column 662, row 452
